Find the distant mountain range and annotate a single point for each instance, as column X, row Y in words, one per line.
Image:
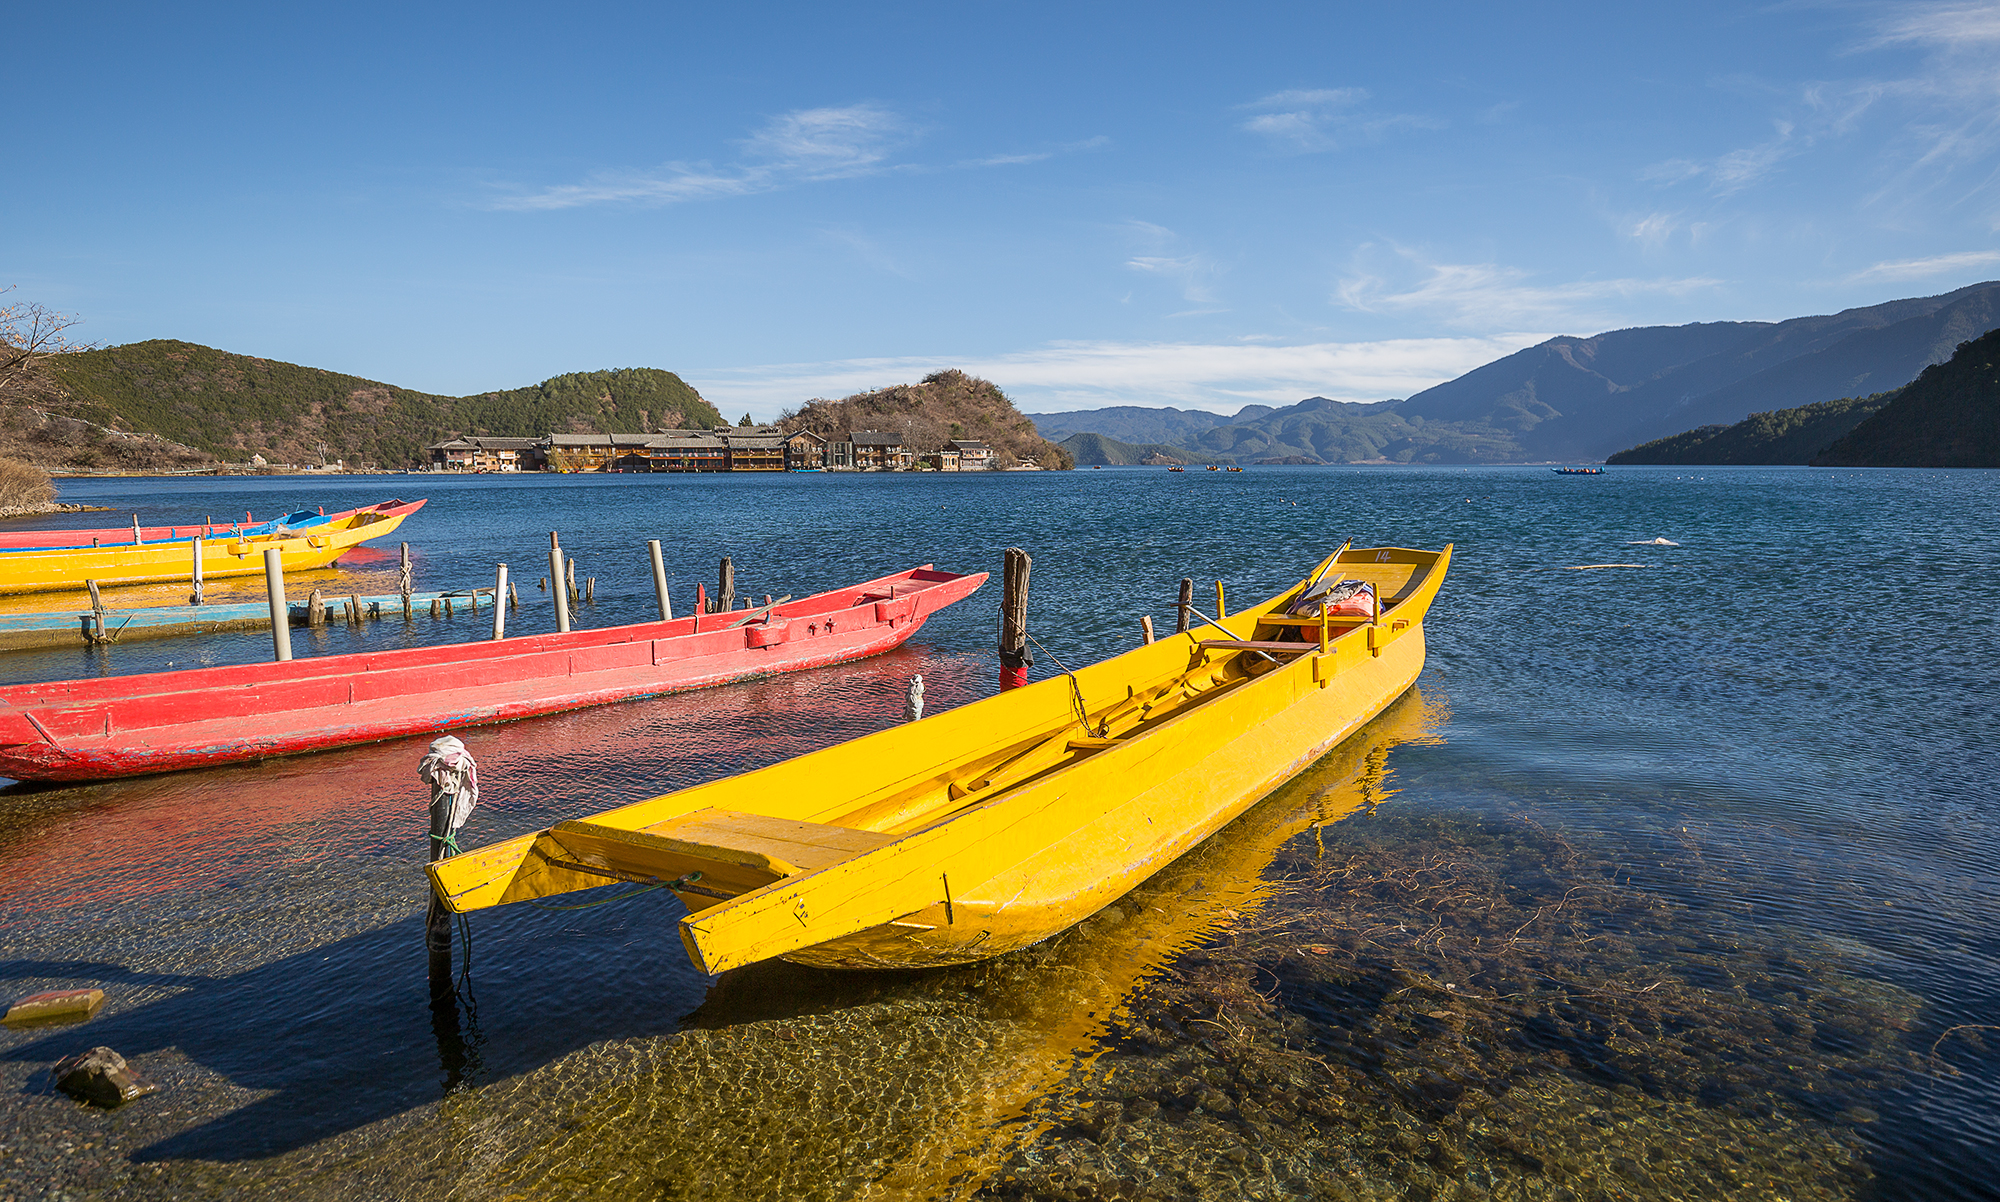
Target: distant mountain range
column 1582, row 399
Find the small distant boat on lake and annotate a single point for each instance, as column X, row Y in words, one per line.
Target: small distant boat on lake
column 71, row 730
column 1577, row 471
column 312, row 541
column 999, row 824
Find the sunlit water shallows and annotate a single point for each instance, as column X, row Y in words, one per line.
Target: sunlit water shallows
column 1669, row 880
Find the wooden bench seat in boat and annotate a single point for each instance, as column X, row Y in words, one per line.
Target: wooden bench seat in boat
column 1273, row 645
column 735, row 852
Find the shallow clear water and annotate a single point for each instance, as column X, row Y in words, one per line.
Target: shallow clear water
column 1695, row 859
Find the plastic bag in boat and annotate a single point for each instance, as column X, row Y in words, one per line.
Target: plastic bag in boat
column 1345, row 599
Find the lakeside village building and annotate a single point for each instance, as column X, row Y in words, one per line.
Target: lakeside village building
column 723, row 449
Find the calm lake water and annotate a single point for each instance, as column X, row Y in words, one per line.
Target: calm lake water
column 1671, row 879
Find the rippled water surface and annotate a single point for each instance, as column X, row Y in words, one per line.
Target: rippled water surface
column 1671, row 879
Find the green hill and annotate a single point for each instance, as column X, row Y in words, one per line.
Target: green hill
column 1947, row 417
column 1102, row 449
column 233, row 406
column 1782, row 436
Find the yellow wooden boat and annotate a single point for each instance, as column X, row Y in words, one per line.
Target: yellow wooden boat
column 224, row 552
column 996, row 825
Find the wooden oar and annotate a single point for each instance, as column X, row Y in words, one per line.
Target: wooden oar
column 760, row 611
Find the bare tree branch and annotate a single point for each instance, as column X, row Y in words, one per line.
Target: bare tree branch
column 30, row 335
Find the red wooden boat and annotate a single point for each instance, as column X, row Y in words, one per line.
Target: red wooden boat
column 166, row 721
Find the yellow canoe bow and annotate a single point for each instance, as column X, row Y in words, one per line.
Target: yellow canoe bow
column 223, row 553
column 991, row 827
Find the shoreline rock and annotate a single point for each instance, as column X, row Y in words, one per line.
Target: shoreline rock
column 35, row 511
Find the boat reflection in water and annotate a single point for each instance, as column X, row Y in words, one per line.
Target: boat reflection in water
column 793, row 1082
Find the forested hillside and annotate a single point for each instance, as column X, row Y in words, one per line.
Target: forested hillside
column 1947, row 417
column 1783, row 436
column 233, row 406
column 946, row 405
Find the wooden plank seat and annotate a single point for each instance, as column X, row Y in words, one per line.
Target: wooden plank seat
column 734, row 852
column 1271, row 645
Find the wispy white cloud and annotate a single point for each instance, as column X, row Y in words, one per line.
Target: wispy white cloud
column 1924, row 269
column 1303, row 121
column 1940, row 115
column 1083, row 375
column 1036, row 156
column 1653, row 229
column 1490, row 296
column 799, row 147
column 1189, row 271
column 1736, row 170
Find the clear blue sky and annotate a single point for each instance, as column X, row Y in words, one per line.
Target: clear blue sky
column 1090, row 204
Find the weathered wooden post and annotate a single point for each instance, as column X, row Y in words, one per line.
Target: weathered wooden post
column 1014, row 657
column 354, row 609
column 281, row 613
column 137, row 537
column 913, row 702
column 590, row 590
column 1186, row 605
column 660, row 580
column 1146, row 628
column 513, row 596
column 195, row 599
column 96, row 612
column 404, row 580
column 499, row 610
column 725, row 587
column 569, row 575
column 454, row 782
column 556, row 576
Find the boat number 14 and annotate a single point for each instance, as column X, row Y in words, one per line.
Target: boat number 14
column 1381, row 557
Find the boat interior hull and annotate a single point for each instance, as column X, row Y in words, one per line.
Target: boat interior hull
column 996, row 825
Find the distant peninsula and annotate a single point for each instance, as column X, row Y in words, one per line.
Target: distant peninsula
column 1782, row 436
column 1949, row 416
column 166, row 405
column 945, row 407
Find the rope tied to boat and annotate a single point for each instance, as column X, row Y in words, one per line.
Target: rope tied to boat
column 453, row 776
column 1075, row 691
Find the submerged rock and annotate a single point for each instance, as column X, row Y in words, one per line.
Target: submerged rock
column 100, row 1076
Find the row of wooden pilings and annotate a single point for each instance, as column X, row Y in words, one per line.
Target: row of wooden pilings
column 353, row 611
column 562, row 570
